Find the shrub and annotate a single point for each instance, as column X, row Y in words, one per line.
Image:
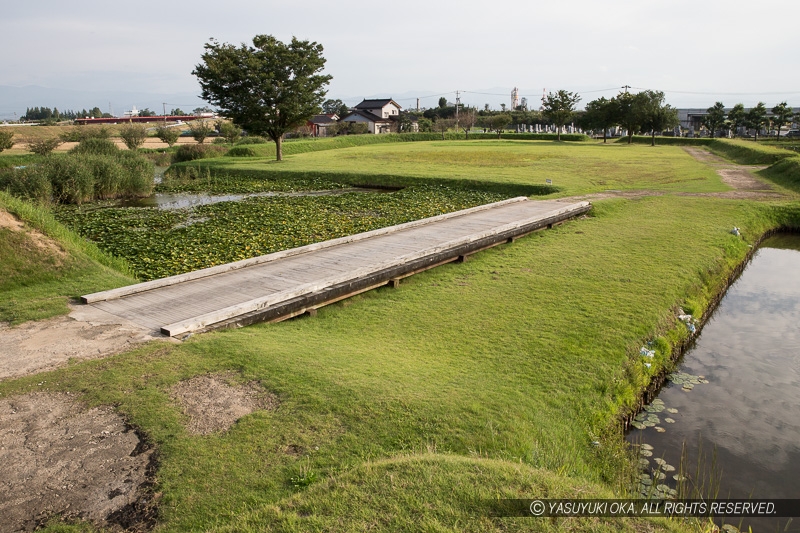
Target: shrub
column 199, row 130
column 242, row 151
column 72, row 181
column 43, row 146
column 168, row 135
column 6, row 139
column 95, row 146
column 30, row 182
column 191, row 152
column 107, row 173
column 81, row 133
column 138, row 178
column 133, row 136
column 230, row 131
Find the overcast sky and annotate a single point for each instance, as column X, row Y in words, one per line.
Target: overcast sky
column 697, row 51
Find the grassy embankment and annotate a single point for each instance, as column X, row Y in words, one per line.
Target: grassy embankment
column 45, row 263
column 487, row 379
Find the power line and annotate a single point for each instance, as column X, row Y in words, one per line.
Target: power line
column 721, row 94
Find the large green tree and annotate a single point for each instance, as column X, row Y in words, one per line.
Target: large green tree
column 715, row 118
column 630, row 113
column 559, row 108
column 269, row 88
column 781, row 114
column 737, row 118
column 756, row 118
column 654, row 115
column 601, row 114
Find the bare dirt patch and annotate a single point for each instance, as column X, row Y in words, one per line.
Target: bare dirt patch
column 87, row 333
column 37, row 239
column 58, row 458
column 215, row 402
column 738, row 177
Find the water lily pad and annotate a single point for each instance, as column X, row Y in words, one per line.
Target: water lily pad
column 644, row 463
column 660, row 429
column 640, row 417
column 663, row 488
column 645, row 479
column 638, row 425
column 659, row 475
column 672, row 410
column 657, row 401
column 645, row 453
column 687, row 386
column 646, row 446
column 667, row 468
column 659, row 461
column 669, row 420
column 679, row 478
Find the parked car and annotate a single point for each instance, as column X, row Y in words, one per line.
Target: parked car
column 793, row 133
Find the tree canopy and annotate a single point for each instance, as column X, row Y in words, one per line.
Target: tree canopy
column 559, row 108
column 601, row 114
column 756, row 118
column 715, row 118
column 781, row 114
column 269, row 88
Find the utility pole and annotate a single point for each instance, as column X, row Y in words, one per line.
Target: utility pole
column 626, row 87
column 165, row 111
column 458, row 102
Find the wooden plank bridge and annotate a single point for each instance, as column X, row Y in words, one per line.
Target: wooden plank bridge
column 288, row 283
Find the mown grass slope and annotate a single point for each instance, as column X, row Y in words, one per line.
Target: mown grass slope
column 572, row 168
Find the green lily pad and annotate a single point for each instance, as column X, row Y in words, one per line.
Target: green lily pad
column 667, row 468
column 646, row 446
column 645, row 453
column 644, row 463
column 688, row 386
column 644, row 479
column 679, row 478
column 640, row 417
column 663, row 488
column 659, row 475
column 669, row 420
column 659, row 461
column 672, row 410
column 659, row 429
column 638, row 425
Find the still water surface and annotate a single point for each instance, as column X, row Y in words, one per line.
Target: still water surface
column 746, row 419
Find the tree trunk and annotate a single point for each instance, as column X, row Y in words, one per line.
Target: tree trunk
column 778, row 135
column 278, row 148
column 605, row 131
column 630, row 137
column 653, row 138
column 559, row 132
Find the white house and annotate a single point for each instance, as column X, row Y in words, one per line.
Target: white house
column 380, row 115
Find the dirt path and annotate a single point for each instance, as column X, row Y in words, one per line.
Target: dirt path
column 739, row 177
column 86, row 333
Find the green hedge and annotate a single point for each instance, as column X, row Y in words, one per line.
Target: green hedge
column 785, row 172
column 661, row 140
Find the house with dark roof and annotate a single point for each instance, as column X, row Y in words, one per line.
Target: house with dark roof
column 380, row 115
column 319, row 124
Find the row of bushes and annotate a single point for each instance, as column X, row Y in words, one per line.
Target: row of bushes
column 95, row 169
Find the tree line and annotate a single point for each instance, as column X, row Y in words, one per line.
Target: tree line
column 756, row 118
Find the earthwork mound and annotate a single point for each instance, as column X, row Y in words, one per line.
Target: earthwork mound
column 58, row 458
column 215, row 402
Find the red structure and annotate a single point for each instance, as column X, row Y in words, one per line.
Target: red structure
column 125, row 120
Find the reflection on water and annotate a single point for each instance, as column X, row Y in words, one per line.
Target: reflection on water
column 183, row 200
column 749, row 412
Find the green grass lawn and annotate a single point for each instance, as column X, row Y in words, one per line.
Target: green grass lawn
column 500, row 377
column 574, row 168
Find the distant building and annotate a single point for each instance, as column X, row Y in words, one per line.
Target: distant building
column 380, row 115
column 319, row 124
